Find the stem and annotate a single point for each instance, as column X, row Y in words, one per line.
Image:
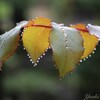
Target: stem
column 45, row 26
column 83, row 30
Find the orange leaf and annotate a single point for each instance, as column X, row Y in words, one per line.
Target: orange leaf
column 36, row 38
column 90, row 41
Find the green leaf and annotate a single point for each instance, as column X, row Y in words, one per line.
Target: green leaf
column 9, row 42
column 67, row 46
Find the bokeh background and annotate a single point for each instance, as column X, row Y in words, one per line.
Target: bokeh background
column 20, row 80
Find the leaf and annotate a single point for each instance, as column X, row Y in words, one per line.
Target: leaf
column 9, row 42
column 67, row 47
column 29, row 24
column 94, row 30
column 36, row 38
column 90, row 41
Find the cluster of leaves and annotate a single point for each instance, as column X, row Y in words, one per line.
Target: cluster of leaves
column 69, row 44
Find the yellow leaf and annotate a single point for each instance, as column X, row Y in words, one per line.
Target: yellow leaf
column 90, row 41
column 36, row 37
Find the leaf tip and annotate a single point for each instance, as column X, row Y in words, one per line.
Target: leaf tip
column 35, row 64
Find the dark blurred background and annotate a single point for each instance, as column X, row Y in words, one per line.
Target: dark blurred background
column 20, row 80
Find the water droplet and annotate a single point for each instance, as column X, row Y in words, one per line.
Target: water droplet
column 89, row 55
column 30, row 59
column 24, row 30
column 94, row 48
column 16, row 23
column 38, row 58
column 23, row 48
column 35, row 64
column 62, row 29
column 37, row 61
column 27, row 54
column 46, row 50
column 93, row 52
column 43, row 54
column 49, row 47
column 67, row 47
column 66, row 42
column 86, row 57
column 80, row 60
column 65, row 35
column 99, row 39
